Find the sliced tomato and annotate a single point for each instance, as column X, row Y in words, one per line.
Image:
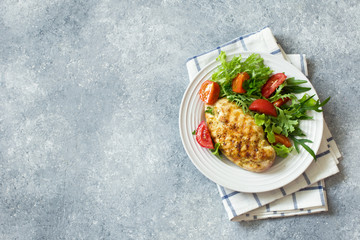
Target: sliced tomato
column 263, row 106
column 282, row 140
column 203, row 136
column 280, row 102
column 272, row 84
column 237, row 83
column 209, row 92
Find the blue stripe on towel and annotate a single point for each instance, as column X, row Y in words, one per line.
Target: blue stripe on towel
column 250, row 34
column 243, row 43
column 197, row 64
column 257, row 199
column 322, row 198
column 229, row 195
column 306, row 178
column 219, row 49
column 267, row 207
column 228, row 202
column 311, row 188
column 275, row 52
column 294, row 200
column 189, row 59
column 229, row 43
column 283, row 191
column 322, row 154
column 329, row 139
column 241, row 39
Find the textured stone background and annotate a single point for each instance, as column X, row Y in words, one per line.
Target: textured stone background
column 90, row 93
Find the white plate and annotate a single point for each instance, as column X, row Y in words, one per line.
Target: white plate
column 224, row 172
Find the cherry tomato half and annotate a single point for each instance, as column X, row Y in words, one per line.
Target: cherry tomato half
column 237, row 83
column 203, row 136
column 282, row 140
column 263, row 106
column 280, row 102
column 209, row 92
column 272, row 84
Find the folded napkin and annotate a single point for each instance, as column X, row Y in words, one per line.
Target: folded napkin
column 304, row 195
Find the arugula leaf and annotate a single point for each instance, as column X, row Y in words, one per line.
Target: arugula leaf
column 209, row 110
column 286, row 122
column 291, row 86
column 193, row 132
column 311, row 104
column 295, row 89
column 216, row 150
column 306, row 103
column 279, row 94
column 302, row 142
column 298, row 132
column 241, row 100
column 293, row 81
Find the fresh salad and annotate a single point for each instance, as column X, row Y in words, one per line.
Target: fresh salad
column 270, row 98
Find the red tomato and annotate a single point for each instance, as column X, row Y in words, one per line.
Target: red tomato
column 280, row 102
column 282, row 140
column 272, row 84
column 209, row 92
column 203, row 136
column 263, row 106
column 238, row 82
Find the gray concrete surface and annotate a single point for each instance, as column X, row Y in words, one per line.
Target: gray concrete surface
column 90, row 93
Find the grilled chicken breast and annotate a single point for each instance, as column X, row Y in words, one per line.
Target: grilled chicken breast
column 241, row 140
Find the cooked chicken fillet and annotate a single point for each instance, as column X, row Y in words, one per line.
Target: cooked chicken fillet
column 241, row 140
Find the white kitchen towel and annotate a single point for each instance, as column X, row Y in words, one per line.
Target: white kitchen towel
column 304, row 195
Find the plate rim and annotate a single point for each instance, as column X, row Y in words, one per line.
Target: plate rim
column 204, row 71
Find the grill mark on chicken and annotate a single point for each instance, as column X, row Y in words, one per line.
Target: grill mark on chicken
column 240, row 139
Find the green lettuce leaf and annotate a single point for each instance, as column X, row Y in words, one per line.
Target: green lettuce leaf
column 282, row 151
